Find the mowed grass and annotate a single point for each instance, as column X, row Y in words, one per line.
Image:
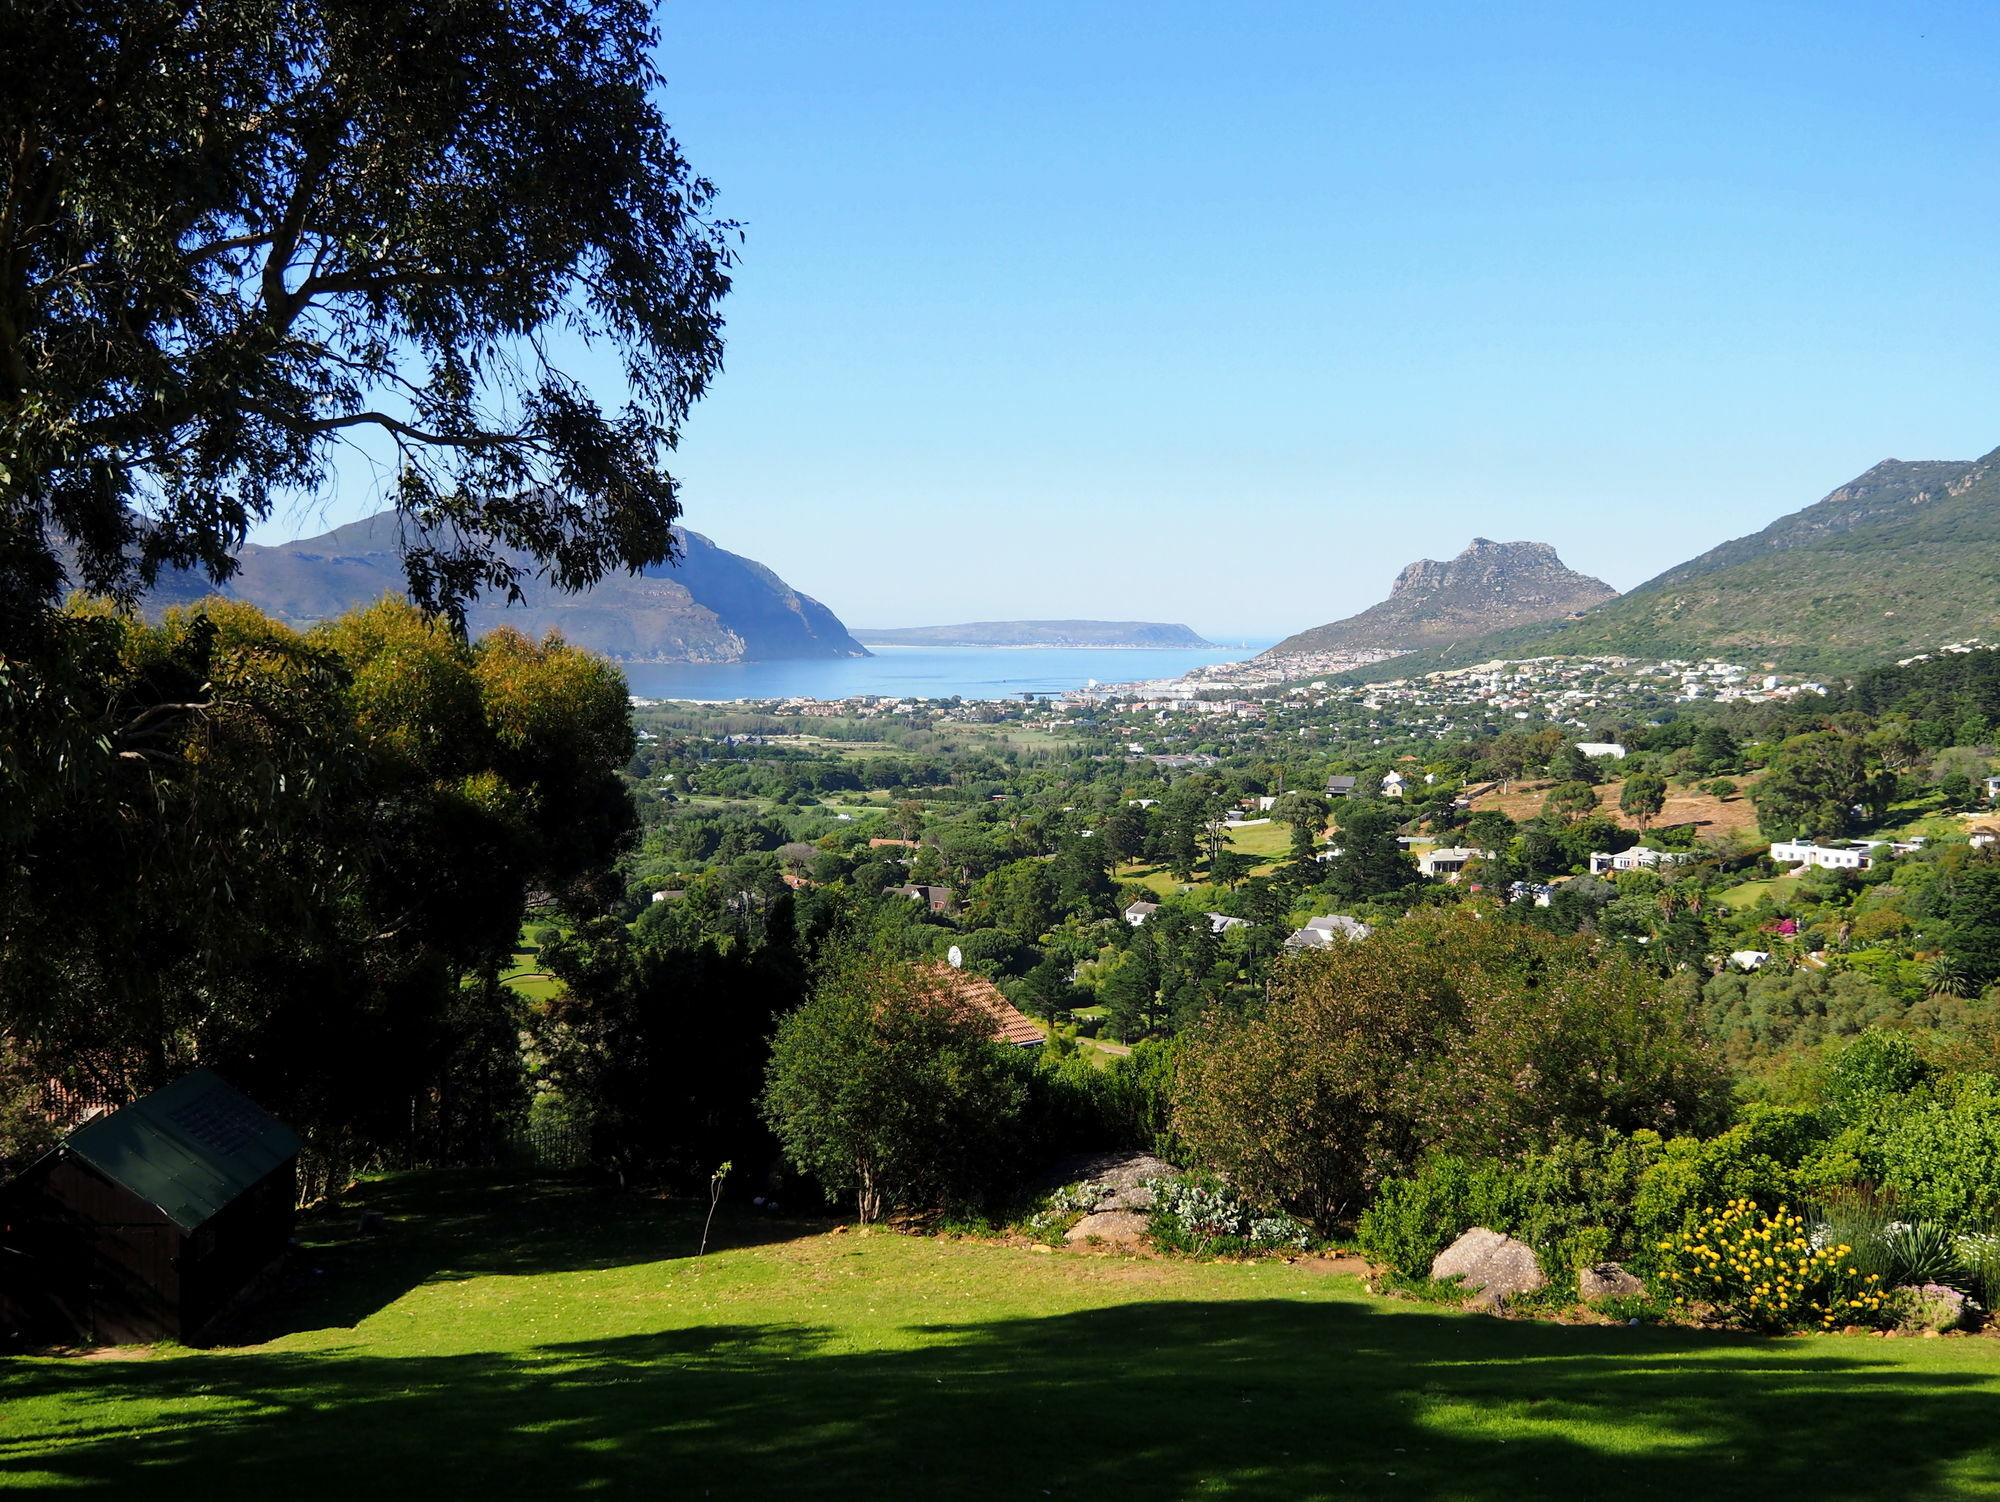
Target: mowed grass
column 1777, row 888
column 507, row 1340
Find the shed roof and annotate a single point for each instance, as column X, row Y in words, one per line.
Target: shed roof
column 189, row 1148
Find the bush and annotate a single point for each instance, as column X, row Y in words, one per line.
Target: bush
column 1572, row 1204
column 1445, row 1032
column 1203, row 1217
column 1928, row 1306
column 888, row 1087
column 1764, row 1270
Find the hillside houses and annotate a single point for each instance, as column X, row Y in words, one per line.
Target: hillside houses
column 1638, row 858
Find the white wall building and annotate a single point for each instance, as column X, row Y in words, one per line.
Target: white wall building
column 1638, row 858
column 1831, row 857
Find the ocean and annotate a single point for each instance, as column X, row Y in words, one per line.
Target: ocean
column 926, row 672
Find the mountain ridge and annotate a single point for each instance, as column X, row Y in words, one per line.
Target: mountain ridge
column 1903, row 557
column 713, row 606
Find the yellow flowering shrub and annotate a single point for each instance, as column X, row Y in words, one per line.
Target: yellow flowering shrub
column 1763, row 1270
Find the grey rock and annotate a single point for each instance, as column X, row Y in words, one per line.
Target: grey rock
column 1607, row 1280
column 1112, row 1228
column 1140, row 1198
column 1486, row 1262
column 1121, row 1170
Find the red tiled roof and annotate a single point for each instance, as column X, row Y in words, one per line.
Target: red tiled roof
column 1009, row 1026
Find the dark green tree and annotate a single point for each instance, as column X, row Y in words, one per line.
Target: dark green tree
column 1973, row 943
column 886, row 1087
column 1571, row 765
column 1820, row 784
column 1643, row 797
column 1371, row 863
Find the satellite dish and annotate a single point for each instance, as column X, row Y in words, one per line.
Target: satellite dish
column 955, row 956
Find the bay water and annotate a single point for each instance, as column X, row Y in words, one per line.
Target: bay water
column 927, row 672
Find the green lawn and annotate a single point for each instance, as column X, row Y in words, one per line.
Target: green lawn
column 505, row 1340
column 1266, row 840
column 1747, row 895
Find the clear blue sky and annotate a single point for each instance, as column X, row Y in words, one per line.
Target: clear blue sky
column 1223, row 313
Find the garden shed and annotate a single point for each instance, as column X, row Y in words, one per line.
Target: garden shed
column 145, row 1223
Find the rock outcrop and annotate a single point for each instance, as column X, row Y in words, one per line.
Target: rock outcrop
column 1491, row 586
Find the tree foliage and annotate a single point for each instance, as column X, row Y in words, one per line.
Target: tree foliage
column 300, row 858
column 1445, row 1031
column 233, row 236
column 887, row 1087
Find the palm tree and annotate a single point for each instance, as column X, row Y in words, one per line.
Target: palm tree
column 1943, row 977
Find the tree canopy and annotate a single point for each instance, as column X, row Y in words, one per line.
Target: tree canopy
column 235, row 235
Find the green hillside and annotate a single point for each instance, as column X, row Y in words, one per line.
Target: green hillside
column 1903, row 558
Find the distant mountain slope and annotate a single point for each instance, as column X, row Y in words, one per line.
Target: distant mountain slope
column 1491, row 585
column 714, row 606
column 1033, row 634
column 1905, row 557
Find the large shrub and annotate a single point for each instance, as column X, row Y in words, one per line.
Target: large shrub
column 1445, row 1032
column 887, row 1087
column 1571, row 1203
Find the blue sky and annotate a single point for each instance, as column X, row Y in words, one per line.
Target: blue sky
column 1224, row 313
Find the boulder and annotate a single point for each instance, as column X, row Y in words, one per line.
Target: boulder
column 1486, row 1262
column 1119, row 1170
column 1137, row 1198
column 1121, row 1229
column 1607, row 1280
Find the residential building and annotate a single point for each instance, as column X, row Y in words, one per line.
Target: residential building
column 1327, row 932
column 937, row 899
column 1638, row 858
column 1447, row 862
column 1138, row 912
column 1831, row 857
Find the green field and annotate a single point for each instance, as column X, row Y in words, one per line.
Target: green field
column 1269, row 841
column 1747, row 895
column 507, row 1340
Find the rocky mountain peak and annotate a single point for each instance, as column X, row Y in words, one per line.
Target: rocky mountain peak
column 1489, row 586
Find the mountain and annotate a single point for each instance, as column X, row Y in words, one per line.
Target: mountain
column 1905, row 557
column 713, row 606
column 1491, row 585
column 1033, row 634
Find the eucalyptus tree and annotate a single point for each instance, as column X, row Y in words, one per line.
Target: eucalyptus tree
column 234, row 236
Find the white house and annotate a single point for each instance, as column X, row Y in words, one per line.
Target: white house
column 1139, row 912
column 1393, row 785
column 1749, row 959
column 1221, row 923
column 1832, row 857
column 1448, row 861
column 1325, row 933
column 1638, row 858
column 1602, row 748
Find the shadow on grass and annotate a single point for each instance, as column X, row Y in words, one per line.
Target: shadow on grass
column 456, row 1223
column 1274, row 1398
